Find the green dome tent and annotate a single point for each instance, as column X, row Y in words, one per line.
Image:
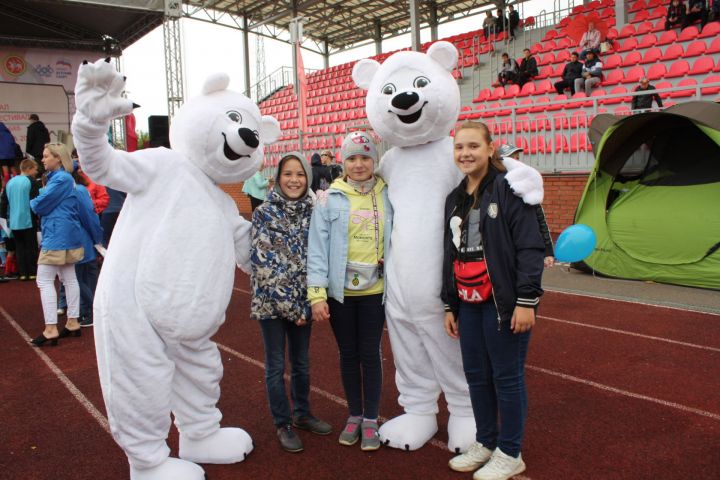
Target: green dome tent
column 653, row 197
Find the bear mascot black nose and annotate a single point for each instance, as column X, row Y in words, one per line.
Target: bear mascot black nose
column 405, row 100
column 249, row 137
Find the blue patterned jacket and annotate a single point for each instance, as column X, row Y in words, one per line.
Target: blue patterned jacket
column 279, row 254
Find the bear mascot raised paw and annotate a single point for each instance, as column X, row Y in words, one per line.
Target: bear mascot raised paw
column 168, row 275
column 413, row 102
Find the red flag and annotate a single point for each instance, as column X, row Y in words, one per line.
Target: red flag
column 302, row 94
column 131, row 138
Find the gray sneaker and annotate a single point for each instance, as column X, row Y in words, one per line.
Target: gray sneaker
column 370, row 437
column 289, row 440
column 313, row 425
column 351, row 432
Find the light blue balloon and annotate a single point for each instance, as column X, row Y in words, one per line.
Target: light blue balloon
column 575, row 243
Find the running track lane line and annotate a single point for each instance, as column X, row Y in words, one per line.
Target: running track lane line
column 633, row 334
column 608, row 388
column 79, row 396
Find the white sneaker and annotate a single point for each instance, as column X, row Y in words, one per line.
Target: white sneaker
column 500, row 467
column 476, row 456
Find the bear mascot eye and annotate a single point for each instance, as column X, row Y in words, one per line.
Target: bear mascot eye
column 421, row 82
column 234, row 116
column 388, row 89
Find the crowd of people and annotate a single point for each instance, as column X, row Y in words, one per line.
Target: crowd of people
column 56, row 223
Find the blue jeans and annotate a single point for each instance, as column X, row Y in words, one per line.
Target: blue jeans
column 494, row 364
column 275, row 332
column 87, row 277
column 358, row 326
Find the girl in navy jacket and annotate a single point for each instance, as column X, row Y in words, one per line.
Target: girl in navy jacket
column 62, row 242
column 493, row 265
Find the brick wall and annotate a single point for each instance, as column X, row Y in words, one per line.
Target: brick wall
column 562, row 195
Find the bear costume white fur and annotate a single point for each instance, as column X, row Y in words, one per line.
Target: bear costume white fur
column 413, row 102
column 169, row 272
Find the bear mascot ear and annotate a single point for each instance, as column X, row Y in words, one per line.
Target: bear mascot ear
column 270, row 129
column 364, row 71
column 445, row 54
column 215, row 83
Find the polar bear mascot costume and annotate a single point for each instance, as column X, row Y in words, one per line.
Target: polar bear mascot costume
column 155, row 311
column 413, row 102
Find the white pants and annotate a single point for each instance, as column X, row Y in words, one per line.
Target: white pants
column 48, row 295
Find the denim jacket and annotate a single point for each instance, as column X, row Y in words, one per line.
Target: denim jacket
column 328, row 241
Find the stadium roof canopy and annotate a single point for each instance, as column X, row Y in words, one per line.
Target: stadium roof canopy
column 333, row 25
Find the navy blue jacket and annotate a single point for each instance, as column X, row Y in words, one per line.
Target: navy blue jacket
column 513, row 246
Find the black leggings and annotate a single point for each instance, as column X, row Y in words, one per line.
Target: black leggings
column 26, row 251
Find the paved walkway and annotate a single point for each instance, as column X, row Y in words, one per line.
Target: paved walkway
column 564, row 279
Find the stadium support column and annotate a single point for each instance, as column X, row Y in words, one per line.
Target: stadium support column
column 432, row 7
column 246, row 56
column 173, row 56
column 378, row 36
column 620, row 14
column 414, row 6
column 326, row 54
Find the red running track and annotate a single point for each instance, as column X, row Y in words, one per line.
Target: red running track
column 617, row 390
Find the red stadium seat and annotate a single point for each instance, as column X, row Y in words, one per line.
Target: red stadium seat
column 687, row 82
column 711, row 30
column 511, row 91
column 576, row 101
column 563, row 56
column 667, row 37
column 548, row 46
column 547, row 59
column 652, row 55
column 522, row 143
column 543, row 87
column 648, row 41
column 612, row 34
column 525, row 104
column 614, row 101
column 544, row 72
column 612, row 61
column 622, row 110
column 578, row 119
column 678, row 69
column 657, row 71
column 702, row 66
column 527, row 89
column 598, row 93
column 641, row 16
column 658, row 12
column 561, row 143
column 560, row 120
column 541, row 122
column 579, row 142
column 484, row 94
column 659, row 25
column 637, row 6
column 613, row 78
column 711, row 90
column 537, row 144
column 645, row 28
column 714, row 46
column 627, row 31
column 540, row 104
column 661, row 85
column 688, row 33
column 695, row 49
column 672, row 52
column 564, row 43
column 607, row 12
column 632, row 58
column 654, row 3
column 634, row 75
column 497, row 93
column 629, row 44
column 558, row 102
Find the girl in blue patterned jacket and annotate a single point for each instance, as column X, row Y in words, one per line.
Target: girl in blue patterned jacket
column 279, row 254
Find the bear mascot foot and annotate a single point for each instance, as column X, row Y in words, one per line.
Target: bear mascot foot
column 461, row 433
column 227, row 445
column 409, row 431
column 171, row 468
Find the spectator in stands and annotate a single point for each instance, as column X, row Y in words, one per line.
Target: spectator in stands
column 15, row 207
column 591, row 74
column 8, row 153
column 696, row 10
column 644, row 102
column 528, row 68
column 675, row 14
column 513, row 21
column 571, row 72
column 321, row 174
column 508, row 70
column 590, row 41
column 327, row 159
column 37, row 136
column 109, row 216
column 501, row 22
column 62, row 245
column 488, row 24
column 716, row 11
column 256, row 188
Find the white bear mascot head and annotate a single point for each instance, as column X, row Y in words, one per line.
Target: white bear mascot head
column 222, row 132
column 413, row 98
